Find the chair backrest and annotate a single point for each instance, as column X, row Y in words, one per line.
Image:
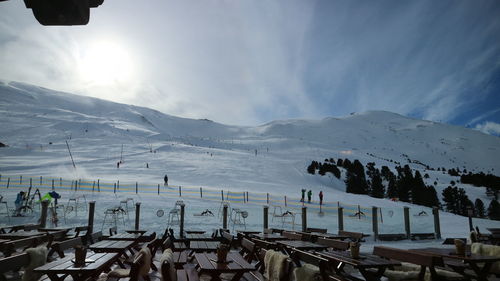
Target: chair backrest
column 79, row 229
column 60, row 247
column 351, row 235
column 300, row 256
column 333, row 243
column 277, row 230
column 30, row 227
column 292, row 235
column 318, row 230
column 167, row 243
column 247, row 249
column 135, row 267
column 227, row 237
column 112, row 231
column 59, row 235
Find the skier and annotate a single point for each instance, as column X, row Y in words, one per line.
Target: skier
column 321, row 198
column 303, row 195
column 309, row 195
column 166, row 180
column 118, row 165
column 19, row 202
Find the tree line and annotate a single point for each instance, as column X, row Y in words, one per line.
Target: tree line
column 404, row 185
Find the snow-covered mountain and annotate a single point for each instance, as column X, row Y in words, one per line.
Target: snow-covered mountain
column 272, row 157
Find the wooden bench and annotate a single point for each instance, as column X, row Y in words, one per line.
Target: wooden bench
column 227, row 238
column 422, row 236
column 9, row 248
column 257, row 275
column 318, row 230
column 262, row 244
column 422, row 260
column 334, row 244
column 181, row 256
column 92, row 238
column 354, row 236
column 60, row 247
column 298, row 257
column 292, row 235
column 391, row 237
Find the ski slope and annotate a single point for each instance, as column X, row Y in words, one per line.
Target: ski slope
column 270, row 158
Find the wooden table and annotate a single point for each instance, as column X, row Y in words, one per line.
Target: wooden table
column 248, row 232
column 269, row 236
column 302, row 245
column 102, row 261
column 235, row 264
column 113, row 246
column 472, row 260
column 198, row 237
column 364, row 262
column 125, row 236
column 195, row 231
column 203, row 246
column 136, row 231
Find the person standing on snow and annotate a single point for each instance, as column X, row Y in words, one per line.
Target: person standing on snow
column 303, row 195
column 309, row 196
column 166, row 180
column 321, row 198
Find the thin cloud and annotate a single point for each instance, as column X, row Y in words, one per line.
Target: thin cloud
column 490, row 128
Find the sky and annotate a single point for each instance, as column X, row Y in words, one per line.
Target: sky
column 248, row 62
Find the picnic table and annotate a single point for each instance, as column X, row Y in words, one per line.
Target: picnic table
column 302, row 245
column 198, row 237
column 269, row 236
column 364, row 262
column 203, row 246
column 125, row 236
column 248, row 232
column 102, row 261
column 114, row 246
column 235, row 264
column 479, row 264
column 195, row 231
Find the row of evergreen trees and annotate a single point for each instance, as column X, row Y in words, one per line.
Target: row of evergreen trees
column 404, row 185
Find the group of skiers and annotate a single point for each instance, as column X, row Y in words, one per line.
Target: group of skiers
column 309, row 196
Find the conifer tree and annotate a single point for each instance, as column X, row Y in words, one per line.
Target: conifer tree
column 377, row 188
column 494, row 210
column 479, row 206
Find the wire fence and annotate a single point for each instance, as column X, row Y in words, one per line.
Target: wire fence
column 390, row 220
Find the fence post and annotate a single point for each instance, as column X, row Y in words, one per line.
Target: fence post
column 247, row 196
column 40, row 180
column 407, row 222
column 52, row 184
column 80, row 184
column 158, row 189
column 43, row 215
column 114, row 187
column 93, row 186
column 266, row 217
column 181, row 226
column 437, row 227
column 21, row 179
column 118, row 185
column 375, row 222
column 341, row 218
column 304, row 219
column 98, row 186
column 180, row 191
column 91, row 216
column 137, row 214
column 268, row 198
column 136, row 187
column 224, row 216
column 31, row 182
column 244, row 197
column 201, row 192
column 222, row 194
column 8, row 182
column 469, row 214
column 285, row 200
column 60, row 182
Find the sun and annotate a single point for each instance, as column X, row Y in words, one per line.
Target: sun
column 105, row 63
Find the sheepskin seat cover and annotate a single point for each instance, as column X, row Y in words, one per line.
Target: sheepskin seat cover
column 38, row 256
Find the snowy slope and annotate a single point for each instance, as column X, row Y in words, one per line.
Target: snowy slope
column 270, row 158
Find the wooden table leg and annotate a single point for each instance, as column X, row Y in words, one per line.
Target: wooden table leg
column 482, row 273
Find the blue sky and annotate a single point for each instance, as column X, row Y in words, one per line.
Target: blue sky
column 250, row 62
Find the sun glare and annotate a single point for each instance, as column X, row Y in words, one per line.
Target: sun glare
column 106, row 63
